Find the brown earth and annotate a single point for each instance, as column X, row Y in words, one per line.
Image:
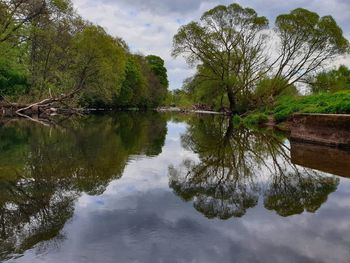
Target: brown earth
column 326, row 129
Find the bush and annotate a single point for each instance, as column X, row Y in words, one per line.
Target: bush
column 268, row 90
column 332, row 81
column 237, row 120
column 13, row 81
column 256, row 119
column 338, row 102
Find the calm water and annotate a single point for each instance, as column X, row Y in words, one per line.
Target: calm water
column 168, row 188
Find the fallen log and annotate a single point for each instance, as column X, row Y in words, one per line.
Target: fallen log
column 39, row 112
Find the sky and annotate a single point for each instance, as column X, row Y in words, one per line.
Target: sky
column 148, row 26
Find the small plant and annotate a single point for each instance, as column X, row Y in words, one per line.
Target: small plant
column 237, row 120
column 256, row 119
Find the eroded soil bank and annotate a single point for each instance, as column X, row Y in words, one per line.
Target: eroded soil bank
column 325, row 129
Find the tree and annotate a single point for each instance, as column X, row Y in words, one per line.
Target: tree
column 13, row 75
column 49, row 53
column 228, row 41
column 307, row 41
column 131, row 85
column 49, row 41
column 231, row 44
column 98, row 65
column 203, row 90
column 157, row 66
column 331, row 81
column 16, row 14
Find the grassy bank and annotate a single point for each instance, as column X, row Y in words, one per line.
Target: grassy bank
column 285, row 107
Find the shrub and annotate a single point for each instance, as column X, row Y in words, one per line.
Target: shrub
column 256, row 119
column 338, row 102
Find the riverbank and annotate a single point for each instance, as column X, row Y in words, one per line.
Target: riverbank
column 285, row 107
column 287, row 115
column 182, row 110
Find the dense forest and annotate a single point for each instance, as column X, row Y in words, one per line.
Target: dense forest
column 47, row 51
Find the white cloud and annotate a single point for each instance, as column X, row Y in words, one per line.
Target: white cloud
column 148, row 26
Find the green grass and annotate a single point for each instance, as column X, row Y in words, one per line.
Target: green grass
column 338, row 102
column 257, row 118
column 251, row 120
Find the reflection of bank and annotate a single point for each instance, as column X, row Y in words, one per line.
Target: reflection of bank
column 326, row 159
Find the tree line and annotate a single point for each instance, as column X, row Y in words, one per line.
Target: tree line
column 243, row 63
column 48, row 51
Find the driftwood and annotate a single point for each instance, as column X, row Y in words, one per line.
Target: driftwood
column 44, row 108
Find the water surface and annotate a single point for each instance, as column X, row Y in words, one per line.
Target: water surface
column 168, row 188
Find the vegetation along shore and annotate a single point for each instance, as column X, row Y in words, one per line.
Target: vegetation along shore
column 53, row 61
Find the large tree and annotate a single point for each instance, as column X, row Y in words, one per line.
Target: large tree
column 229, row 41
column 306, row 42
column 232, row 44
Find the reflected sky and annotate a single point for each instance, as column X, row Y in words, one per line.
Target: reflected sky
column 139, row 218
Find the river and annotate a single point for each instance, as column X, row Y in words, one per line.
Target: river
column 165, row 187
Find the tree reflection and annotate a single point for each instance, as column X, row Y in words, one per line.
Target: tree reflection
column 293, row 193
column 50, row 168
column 236, row 166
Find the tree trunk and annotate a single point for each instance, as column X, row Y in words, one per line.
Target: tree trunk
column 231, row 99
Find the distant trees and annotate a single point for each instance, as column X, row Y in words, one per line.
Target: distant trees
column 235, row 51
column 47, row 50
column 145, row 83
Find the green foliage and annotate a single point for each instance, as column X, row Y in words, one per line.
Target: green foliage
column 332, row 81
column 132, row 84
column 13, row 77
column 237, row 120
column 229, row 44
column 338, row 102
column 157, row 66
column 269, row 89
column 229, row 64
column 12, row 81
column 205, row 89
column 155, row 90
column 311, row 28
column 179, row 98
column 100, row 60
column 50, row 51
column 141, row 87
column 255, row 119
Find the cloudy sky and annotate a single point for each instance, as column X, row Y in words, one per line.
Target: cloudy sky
column 149, row 25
